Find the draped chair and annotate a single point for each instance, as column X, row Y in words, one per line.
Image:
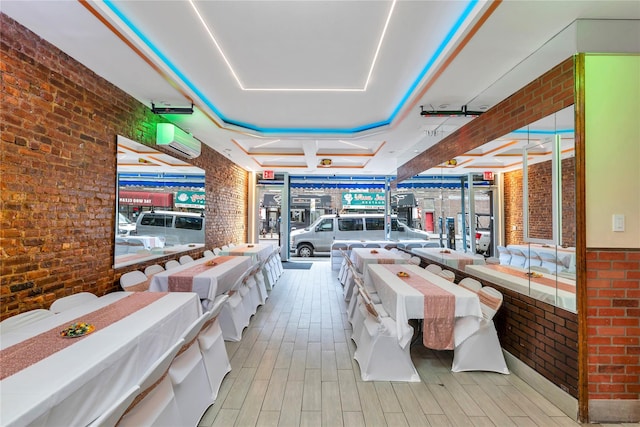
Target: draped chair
column 156, row 403
column 72, row 301
column 213, row 349
column 234, row 316
column 23, row 319
column 471, row 284
column 134, row 281
column 504, row 255
column 188, row 375
column 379, row 354
column 482, row 351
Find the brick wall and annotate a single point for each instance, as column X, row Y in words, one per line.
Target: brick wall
column 613, row 323
column 58, row 128
column 540, row 207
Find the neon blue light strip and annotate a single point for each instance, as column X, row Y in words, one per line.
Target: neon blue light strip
column 270, row 130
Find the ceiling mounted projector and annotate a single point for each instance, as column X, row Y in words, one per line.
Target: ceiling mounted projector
column 171, row 110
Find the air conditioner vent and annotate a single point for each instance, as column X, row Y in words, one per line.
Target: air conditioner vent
column 172, row 137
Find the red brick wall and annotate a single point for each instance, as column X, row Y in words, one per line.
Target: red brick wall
column 613, row 322
column 58, row 127
column 540, row 209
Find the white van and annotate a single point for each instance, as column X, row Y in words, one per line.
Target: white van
column 178, row 228
column 319, row 236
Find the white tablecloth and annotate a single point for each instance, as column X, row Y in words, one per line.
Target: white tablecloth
column 75, row 385
column 522, row 284
column 361, row 257
column 453, row 259
column 210, row 283
column 258, row 251
column 403, row 302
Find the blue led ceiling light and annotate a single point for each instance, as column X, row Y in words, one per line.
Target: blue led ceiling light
column 295, row 130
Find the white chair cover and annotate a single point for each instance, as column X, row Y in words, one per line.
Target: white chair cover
column 504, row 255
column 208, row 254
column 134, row 281
column 185, row 259
column 448, row 274
column 379, row 354
column 415, row 260
column 153, row 269
column 189, row 377
column 71, row 301
column 216, row 251
column 158, row 404
column 433, row 268
column 213, row 349
column 471, row 284
column 518, row 258
column 550, row 262
column 112, row 415
column 172, row 263
column 482, row 351
column 22, row 319
column 234, row 316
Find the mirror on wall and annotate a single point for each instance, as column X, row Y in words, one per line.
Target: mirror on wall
column 519, row 191
column 160, row 204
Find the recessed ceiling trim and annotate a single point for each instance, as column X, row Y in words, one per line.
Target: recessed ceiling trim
column 295, row 89
column 439, row 52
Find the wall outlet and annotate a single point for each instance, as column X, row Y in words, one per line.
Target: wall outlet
column 618, row 222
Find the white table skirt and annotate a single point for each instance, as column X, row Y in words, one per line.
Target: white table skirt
column 74, row 386
column 523, row 285
column 403, row 302
column 454, row 259
column 210, row 283
column 361, row 257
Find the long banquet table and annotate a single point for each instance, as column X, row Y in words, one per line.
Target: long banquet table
column 450, row 258
column 208, row 281
column 555, row 290
column 258, row 251
column 47, row 380
column 403, row 302
column 362, row 257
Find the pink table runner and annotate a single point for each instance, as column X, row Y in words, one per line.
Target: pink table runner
column 539, row 280
column 439, row 311
column 182, row 281
column 32, row 350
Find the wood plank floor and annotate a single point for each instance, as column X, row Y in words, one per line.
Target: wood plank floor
column 295, row 367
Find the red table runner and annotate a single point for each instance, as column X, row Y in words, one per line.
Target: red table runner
column 539, row 280
column 439, row 311
column 32, row 350
column 182, row 281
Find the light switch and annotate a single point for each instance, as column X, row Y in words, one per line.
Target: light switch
column 618, row 222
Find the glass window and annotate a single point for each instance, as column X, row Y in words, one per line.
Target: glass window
column 374, row 223
column 189, row 223
column 325, row 225
column 350, row 224
column 156, row 220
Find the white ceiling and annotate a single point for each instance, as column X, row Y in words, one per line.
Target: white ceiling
column 286, row 84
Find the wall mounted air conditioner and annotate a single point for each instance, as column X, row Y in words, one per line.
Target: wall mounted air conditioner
column 172, row 137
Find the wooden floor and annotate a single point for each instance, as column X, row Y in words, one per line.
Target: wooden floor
column 295, row 367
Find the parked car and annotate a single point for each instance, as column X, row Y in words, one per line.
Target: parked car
column 125, row 226
column 176, row 227
column 319, row 236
